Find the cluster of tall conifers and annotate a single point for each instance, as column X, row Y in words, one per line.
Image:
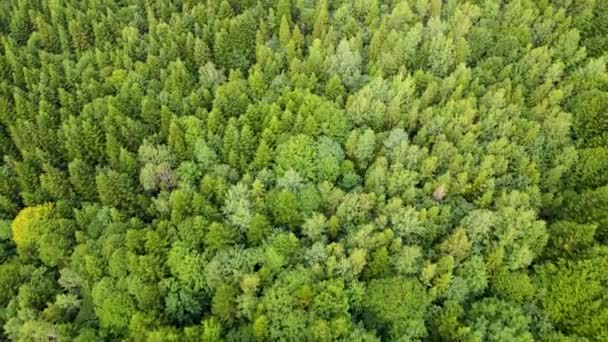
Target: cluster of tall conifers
column 303, row 170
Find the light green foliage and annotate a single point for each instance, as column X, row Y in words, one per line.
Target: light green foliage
column 300, row 170
column 231, row 99
column 234, row 43
column 258, row 229
column 569, row 238
column 40, row 231
column 513, row 286
column 589, row 169
column 588, row 207
column 237, row 207
column 329, row 157
column 285, row 209
column 573, row 295
column 157, row 171
column 219, row 236
column 346, row 63
column 494, row 320
column 298, row 154
column 398, row 305
column 590, row 120
column 111, row 307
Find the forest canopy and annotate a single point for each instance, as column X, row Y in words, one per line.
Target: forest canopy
column 304, row 170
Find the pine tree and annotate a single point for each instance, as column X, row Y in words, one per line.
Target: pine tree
column 284, row 10
column 234, row 45
column 21, row 26
column 321, row 21
column 263, row 156
column 81, row 176
column 247, row 144
column 284, row 32
column 230, row 144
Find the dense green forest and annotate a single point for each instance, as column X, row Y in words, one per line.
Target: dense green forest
column 303, row 170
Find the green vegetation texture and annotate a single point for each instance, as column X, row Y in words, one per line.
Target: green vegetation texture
column 304, row 170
